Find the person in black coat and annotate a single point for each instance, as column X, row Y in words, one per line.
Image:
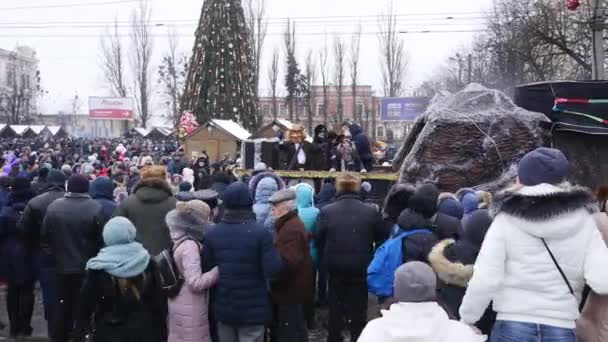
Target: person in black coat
column 425, row 202
column 453, row 262
column 72, row 225
column 16, row 260
column 102, row 191
column 395, row 203
column 321, row 156
column 296, row 153
column 363, row 146
column 31, row 226
column 347, row 231
column 41, row 183
column 243, row 251
column 417, row 246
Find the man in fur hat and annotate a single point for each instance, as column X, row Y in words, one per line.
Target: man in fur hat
column 296, row 152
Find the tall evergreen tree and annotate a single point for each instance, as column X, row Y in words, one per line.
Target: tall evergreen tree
column 221, row 79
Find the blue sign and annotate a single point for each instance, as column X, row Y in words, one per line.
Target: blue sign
column 403, row 108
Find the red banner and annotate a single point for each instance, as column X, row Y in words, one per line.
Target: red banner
column 111, row 108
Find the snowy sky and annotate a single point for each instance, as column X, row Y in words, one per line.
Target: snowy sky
column 65, row 34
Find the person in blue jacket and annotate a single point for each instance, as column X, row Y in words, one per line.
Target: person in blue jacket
column 308, row 215
column 363, row 147
column 102, row 191
column 243, row 250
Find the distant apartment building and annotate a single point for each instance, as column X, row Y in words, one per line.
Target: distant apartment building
column 367, row 107
column 19, row 78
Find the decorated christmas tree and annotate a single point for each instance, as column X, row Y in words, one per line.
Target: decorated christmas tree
column 220, row 83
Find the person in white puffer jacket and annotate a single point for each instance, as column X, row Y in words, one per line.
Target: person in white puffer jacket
column 514, row 269
column 416, row 316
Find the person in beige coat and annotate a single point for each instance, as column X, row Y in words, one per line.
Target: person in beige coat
column 593, row 324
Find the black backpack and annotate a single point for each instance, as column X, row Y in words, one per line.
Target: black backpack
column 171, row 279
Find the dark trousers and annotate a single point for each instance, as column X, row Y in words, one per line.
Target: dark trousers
column 290, row 324
column 68, row 286
column 347, row 306
column 20, row 306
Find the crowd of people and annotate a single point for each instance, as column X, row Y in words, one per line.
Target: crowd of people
column 128, row 248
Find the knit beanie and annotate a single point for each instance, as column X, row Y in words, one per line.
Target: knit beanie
column 118, row 231
column 415, row 282
column 78, row 184
column 543, row 165
column 451, row 207
column 185, row 186
column 237, row 196
column 476, row 227
column 57, row 178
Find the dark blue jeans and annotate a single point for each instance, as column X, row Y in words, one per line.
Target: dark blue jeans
column 507, row 331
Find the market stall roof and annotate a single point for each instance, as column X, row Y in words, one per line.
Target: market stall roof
column 230, row 127
column 20, row 129
column 37, row 128
column 142, row 131
column 54, row 129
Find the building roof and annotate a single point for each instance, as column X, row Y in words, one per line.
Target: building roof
column 37, row 128
column 142, row 131
column 166, row 131
column 19, row 129
column 232, row 128
column 54, row 129
column 2, row 127
column 288, row 124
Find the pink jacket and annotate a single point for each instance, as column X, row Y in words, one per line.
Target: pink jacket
column 188, row 320
column 593, row 324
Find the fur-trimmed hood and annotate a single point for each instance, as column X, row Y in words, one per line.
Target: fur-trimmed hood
column 152, row 190
column 451, row 273
column 546, row 210
column 255, row 180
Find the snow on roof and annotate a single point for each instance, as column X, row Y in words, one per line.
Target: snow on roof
column 19, row 129
column 37, row 128
column 54, row 129
column 286, row 123
column 142, row 131
column 2, row 127
column 164, row 130
column 232, row 128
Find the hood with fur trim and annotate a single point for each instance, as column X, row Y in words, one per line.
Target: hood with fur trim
column 545, row 210
column 451, row 273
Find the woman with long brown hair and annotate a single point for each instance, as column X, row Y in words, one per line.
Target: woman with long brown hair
column 121, row 299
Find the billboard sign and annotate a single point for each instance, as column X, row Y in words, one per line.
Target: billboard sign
column 403, row 108
column 111, row 108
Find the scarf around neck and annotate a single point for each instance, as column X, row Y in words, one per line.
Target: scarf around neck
column 122, row 261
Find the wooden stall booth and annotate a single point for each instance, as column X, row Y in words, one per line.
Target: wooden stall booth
column 217, row 138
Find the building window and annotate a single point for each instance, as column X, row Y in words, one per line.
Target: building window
column 300, row 110
column 266, row 110
column 283, row 110
column 10, row 76
column 359, row 109
column 320, row 109
column 380, row 132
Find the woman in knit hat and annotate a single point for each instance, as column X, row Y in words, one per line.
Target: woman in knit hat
column 188, row 320
column 121, row 295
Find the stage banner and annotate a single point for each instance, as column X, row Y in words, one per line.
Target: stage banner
column 403, row 108
column 111, row 108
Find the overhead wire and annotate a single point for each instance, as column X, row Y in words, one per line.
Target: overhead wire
column 68, row 5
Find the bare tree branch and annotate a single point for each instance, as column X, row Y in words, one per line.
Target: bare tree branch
column 310, row 79
column 172, row 74
column 112, row 61
column 339, row 74
column 142, row 44
column 273, row 77
column 258, row 27
column 323, row 55
column 393, row 58
column 355, row 48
